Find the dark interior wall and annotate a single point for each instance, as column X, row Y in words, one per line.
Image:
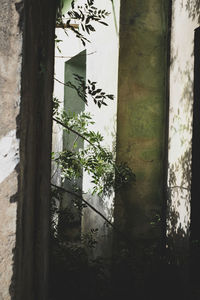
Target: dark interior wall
column 142, row 107
column 38, row 25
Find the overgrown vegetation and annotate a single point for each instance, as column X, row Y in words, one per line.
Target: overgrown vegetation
column 73, row 274
column 72, row 271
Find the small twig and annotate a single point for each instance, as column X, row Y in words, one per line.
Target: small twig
column 67, row 26
column 61, row 56
column 60, row 81
column 115, row 18
column 178, row 186
column 74, row 142
column 95, row 210
column 84, row 201
column 54, row 172
column 71, row 86
column 74, row 131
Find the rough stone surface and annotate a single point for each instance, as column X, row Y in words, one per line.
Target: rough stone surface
column 26, row 84
column 10, row 77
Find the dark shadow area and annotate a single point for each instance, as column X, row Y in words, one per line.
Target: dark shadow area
column 195, row 186
column 30, row 266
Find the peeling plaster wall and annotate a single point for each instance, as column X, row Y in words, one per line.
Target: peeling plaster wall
column 10, row 78
column 184, row 21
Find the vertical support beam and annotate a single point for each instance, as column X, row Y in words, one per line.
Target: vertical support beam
column 141, row 122
column 141, row 113
column 195, row 186
column 26, row 84
column 35, row 150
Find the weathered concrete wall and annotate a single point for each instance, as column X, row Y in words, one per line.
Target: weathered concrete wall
column 25, row 112
column 35, row 150
column 141, row 131
column 185, row 15
column 10, row 79
column 141, row 118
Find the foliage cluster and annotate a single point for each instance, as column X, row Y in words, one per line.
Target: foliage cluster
column 69, row 260
column 95, row 159
column 89, row 90
column 85, row 15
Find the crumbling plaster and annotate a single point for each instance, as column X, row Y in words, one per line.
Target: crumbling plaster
column 10, row 77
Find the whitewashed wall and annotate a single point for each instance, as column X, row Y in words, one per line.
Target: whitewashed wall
column 102, row 67
column 184, row 22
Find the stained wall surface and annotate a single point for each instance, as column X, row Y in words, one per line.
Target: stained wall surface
column 26, row 84
column 185, row 19
column 10, row 79
column 141, row 118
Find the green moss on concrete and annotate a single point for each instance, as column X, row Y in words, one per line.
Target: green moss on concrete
column 141, row 113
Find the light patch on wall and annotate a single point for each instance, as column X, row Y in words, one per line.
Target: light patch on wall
column 9, row 154
column 180, row 120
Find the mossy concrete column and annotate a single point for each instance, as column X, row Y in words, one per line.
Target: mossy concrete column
column 142, row 106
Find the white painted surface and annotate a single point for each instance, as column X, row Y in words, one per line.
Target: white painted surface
column 180, row 116
column 9, row 154
column 102, row 67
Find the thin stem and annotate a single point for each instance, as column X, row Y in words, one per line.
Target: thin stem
column 54, row 172
column 95, row 210
column 179, row 187
column 84, row 201
column 73, row 87
column 76, row 139
column 61, row 56
column 74, row 131
column 63, row 25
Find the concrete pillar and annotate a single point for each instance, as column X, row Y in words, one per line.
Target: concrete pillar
column 26, row 73
column 141, row 114
column 141, row 127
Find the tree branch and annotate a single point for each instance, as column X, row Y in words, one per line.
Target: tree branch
column 74, row 131
column 63, row 25
column 73, row 87
column 178, row 187
column 95, row 210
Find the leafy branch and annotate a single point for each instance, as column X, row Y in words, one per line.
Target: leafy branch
column 85, row 14
column 96, row 160
column 87, row 204
column 72, row 130
column 90, row 89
